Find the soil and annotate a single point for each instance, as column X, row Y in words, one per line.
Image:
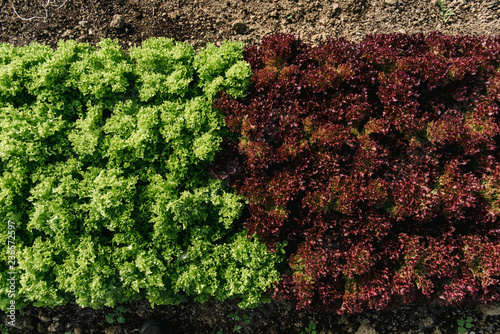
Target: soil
column 202, row 21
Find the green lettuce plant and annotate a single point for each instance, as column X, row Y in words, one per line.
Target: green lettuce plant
column 103, row 170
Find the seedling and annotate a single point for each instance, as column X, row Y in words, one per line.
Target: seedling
column 464, row 325
column 447, row 12
column 4, row 329
column 244, row 320
column 117, row 314
column 310, row 329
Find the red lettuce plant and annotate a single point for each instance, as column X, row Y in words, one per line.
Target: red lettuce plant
column 378, row 162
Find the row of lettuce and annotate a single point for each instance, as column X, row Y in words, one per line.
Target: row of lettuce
column 166, row 173
column 103, row 172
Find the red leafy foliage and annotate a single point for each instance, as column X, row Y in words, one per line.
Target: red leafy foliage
column 379, row 162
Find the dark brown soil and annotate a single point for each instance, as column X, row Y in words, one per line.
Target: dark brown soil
column 202, row 21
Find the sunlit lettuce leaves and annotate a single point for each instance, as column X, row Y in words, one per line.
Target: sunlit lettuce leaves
column 103, row 170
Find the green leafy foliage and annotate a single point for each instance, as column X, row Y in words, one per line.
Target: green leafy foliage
column 211, row 65
column 117, row 315
column 464, row 325
column 310, row 329
column 445, row 11
column 103, row 171
column 4, row 329
column 241, row 322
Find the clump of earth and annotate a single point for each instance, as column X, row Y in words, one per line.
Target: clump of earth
column 212, row 21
